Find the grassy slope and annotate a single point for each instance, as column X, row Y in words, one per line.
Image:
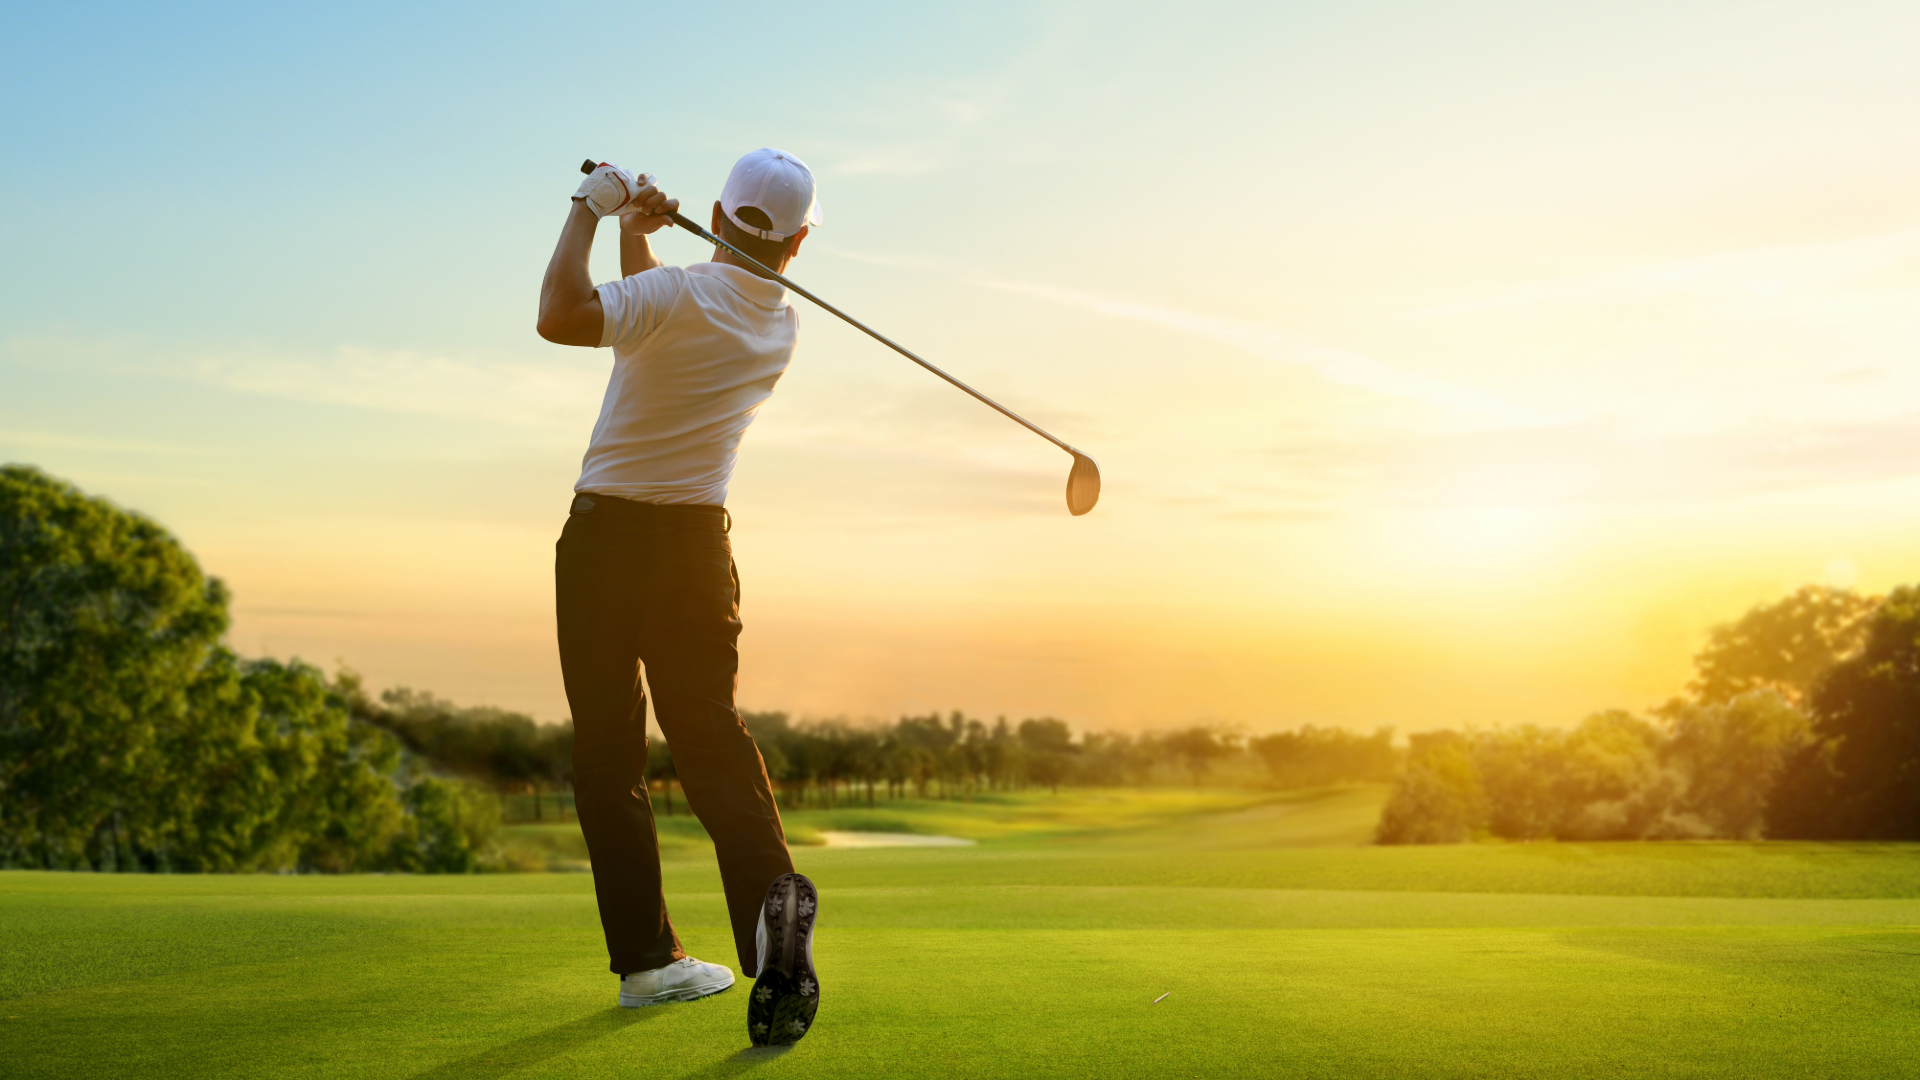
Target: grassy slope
column 1288, row 948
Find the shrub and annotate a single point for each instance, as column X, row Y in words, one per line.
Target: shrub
column 1438, row 800
column 454, row 828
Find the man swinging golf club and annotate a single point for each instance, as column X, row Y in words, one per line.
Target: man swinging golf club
column 644, row 579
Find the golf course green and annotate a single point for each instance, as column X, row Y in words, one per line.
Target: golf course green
column 1276, row 939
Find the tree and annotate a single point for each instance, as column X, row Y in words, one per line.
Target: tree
column 1113, row 758
column 557, row 754
column 453, row 828
column 1048, row 747
column 866, row 756
column 1314, row 756
column 1519, row 772
column 1613, row 783
column 1200, row 747
column 1731, row 755
column 929, row 745
column 1784, row 646
column 1859, row 777
column 1438, row 800
column 131, row 739
column 106, row 623
column 508, row 751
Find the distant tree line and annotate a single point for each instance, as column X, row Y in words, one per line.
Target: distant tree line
column 504, row 751
column 1802, row 721
column 832, row 763
column 828, row 763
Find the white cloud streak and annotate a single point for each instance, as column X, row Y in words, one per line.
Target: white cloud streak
column 1336, row 365
column 1759, row 274
column 557, row 395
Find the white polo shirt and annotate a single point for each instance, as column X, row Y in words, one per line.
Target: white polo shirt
column 696, row 351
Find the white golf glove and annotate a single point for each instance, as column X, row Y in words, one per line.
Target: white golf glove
column 610, row 187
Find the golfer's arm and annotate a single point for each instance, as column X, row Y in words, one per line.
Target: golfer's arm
column 636, row 254
column 570, row 311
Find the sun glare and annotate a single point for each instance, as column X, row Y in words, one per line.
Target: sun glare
column 1489, row 536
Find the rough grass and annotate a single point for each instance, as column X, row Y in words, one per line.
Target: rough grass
column 1286, row 948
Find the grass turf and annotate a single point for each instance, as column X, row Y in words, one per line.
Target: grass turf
column 1286, row 946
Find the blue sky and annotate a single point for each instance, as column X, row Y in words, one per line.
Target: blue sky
column 1499, row 346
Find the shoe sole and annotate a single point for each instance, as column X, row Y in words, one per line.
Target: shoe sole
column 787, row 993
column 692, row 993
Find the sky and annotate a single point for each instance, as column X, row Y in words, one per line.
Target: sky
column 1446, row 363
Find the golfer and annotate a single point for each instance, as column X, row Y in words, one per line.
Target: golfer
column 645, row 583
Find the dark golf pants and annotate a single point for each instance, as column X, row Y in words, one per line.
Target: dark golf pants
column 647, row 588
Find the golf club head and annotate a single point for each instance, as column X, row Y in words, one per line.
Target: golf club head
column 1083, row 484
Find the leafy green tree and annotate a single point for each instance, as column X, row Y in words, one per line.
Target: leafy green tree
column 249, row 772
column 1313, row 756
column 1116, row 758
column 1520, row 773
column 929, row 746
column 1438, row 800
column 1859, row 777
column 896, row 764
column 1784, row 646
column 363, row 813
column 555, row 758
column 1199, row 747
column 866, row 758
column 106, row 623
column 131, row 739
column 1047, row 745
column 1613, row 783
column 453, row 828
column 1730, row 755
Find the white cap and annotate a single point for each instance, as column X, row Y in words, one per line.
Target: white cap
column 779, row 184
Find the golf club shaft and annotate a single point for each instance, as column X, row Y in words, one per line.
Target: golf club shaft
column 687, row 223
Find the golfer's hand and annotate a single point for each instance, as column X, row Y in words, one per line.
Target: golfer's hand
column 611, row 189
column 648, row 210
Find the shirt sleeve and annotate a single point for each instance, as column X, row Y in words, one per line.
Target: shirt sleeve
column 633, row 306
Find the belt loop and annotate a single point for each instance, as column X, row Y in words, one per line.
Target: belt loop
column 726, row 517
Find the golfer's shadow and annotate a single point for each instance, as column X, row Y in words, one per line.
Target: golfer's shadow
column 739, row 1061
column 496, row 1061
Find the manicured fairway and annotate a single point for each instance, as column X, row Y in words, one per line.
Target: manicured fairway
column 1285, row 946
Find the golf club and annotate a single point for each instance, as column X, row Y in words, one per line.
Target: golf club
column 1083, row 482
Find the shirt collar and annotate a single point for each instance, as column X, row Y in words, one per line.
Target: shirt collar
column 754, row 288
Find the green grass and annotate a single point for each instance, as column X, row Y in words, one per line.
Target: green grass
column 1287, row 947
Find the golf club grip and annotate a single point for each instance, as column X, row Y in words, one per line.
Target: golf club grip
column 688, row 224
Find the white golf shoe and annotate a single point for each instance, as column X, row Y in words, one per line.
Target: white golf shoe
column 683, row 980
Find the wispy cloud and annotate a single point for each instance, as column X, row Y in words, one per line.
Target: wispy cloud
column 905, row 262
column 559, row 394
column 896, row 161
column 1333, row 363
column 1757, row 274
column 936, row 123
column 1606, row 461
column 53, row 441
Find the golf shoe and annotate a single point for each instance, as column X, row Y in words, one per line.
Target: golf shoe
column 787, row 993
column 683, row 980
